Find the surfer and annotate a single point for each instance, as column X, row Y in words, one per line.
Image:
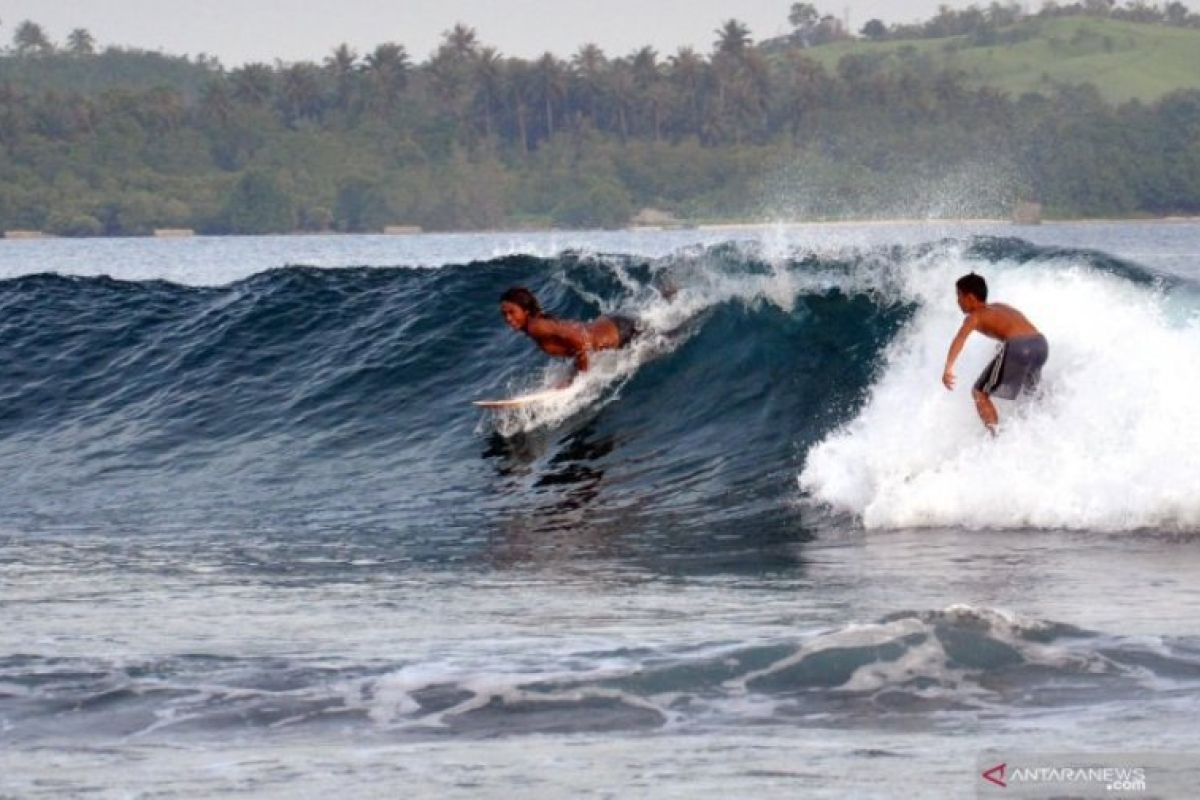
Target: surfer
column 565, row 338
column 1018, row 363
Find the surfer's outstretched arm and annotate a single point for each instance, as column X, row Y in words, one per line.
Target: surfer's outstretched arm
column 956, row 347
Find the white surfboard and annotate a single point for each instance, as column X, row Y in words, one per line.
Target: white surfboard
column 522, row 400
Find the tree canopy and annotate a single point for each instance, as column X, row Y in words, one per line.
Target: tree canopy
column 112, row 141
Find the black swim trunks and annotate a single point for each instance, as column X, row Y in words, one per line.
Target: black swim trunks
column 627, row 329
column 1017, row 367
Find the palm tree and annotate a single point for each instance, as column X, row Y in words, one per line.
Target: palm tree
column 461, row 40
column 387, row 67
column 518, row 88
column 489, row 85
column 587, row 72
column 300, row 93
column 621, row 91
column 688, row 75
column 343, row 66
column 738, row 75
column 644, row 66
column 733, row 38
column 253, row 84
column 752, row 91
column 450, row 71
column 550, row 87
column 724, row 75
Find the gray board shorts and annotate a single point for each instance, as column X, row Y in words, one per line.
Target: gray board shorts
column 1017, row 367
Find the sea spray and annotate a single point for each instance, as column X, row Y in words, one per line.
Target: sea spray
column 1108, row 441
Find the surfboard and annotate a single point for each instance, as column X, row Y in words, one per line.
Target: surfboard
column 522, row 400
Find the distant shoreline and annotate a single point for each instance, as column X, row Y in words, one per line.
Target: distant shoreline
column 731, row 226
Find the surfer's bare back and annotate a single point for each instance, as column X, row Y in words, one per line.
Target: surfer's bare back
column 1017, row 366
column 560, row 337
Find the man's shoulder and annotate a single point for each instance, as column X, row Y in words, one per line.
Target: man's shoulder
column 549, row 326
column 972, row 318
column 996, row 311
column 542, row 325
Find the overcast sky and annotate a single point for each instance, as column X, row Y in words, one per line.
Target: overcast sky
column 237, row 31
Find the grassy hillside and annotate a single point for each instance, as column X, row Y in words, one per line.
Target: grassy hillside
column 1124, row 60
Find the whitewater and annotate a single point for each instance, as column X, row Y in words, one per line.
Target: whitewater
column 255, row 539
column 1108, row 444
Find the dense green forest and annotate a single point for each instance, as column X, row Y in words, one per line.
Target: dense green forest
column 959, row 116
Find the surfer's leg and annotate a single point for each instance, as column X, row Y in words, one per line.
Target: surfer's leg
column 987, row 411
column 628, row 329
column 989, row 381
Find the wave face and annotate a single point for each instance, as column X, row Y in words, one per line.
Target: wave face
column 327, row 400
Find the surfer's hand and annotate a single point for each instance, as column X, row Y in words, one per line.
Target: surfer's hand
column 948, row 379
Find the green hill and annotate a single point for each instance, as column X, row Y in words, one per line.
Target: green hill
column 1124, row 60
column 470, row 139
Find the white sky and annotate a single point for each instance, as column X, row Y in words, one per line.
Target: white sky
column 237, row 31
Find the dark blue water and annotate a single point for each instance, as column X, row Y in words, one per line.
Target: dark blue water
column 263, row 510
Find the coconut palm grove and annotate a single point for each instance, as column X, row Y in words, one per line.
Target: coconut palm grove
column 1090, row 109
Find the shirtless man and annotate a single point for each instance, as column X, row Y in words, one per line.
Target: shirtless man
column 1018, row 363
column 560, row 337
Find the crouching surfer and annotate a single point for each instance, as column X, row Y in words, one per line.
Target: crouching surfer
column 1017, row 366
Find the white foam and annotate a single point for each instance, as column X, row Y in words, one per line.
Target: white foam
column 1112, row 443
column 600, row 384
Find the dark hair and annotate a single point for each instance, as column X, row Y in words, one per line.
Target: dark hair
column 523, row 298
column 973, row 284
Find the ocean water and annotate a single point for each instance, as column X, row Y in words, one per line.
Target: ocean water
column 256, row 541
